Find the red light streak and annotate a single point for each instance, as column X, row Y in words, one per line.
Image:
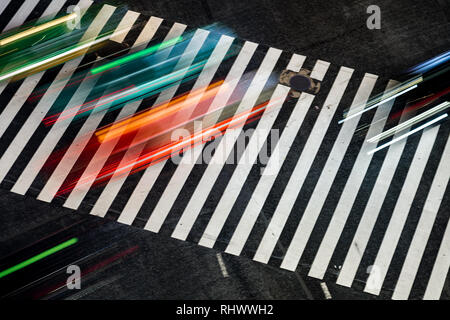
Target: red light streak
column 154, row 156
column 70, row 84
column 79, row 109
column 421, row 103
column 91, row 269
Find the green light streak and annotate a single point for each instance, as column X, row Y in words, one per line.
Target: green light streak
column 136, row 55
column 141, row 91
column 38, row 257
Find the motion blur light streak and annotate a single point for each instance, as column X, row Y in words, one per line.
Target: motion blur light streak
column 422, row 103
column 57, row 155
column 377, row 104
column 437, row 73
column 154, row 156
column 38, row 257
column 80, row 109
column 203, row 135
column 136, row 55
column 156, row 113
column 431, row 63
column 74, row 50
column 172, row 76
column 36, row 48
column 77, row 80
column 410, row 122
column 384, row 97
column 408, row 133
column 132, row 92
column 46, row 237
column 98, row 266
column 37, row 29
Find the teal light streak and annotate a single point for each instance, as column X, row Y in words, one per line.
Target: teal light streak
column 139, row 91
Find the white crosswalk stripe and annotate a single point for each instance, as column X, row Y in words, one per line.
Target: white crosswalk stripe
column 243, row 168
column 423, row 230
column 266, row 181
column 21, row 15
column 186, row 164
column 3, row 5
column 113, row 187
column 151, row 173
column 369, row 217
column 401, row 210
column 98, row 160
column 301, row 169
column 133, row 205
column 25, row 133
column 247, row 160
column 185, row 217
column 440, row 269
column 223, row 150
column 342, row 211
column 309, row 217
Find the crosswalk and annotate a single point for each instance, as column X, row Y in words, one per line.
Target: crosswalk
column 321, row 205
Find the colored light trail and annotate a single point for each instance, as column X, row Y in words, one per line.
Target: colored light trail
column 38, row 257
column 37, row 29
column 76, row 81
column 203, row 136
column 136, row 55
column 160, row 112
column 422, row 103
column 159, row 154
column 404, row 136
column 98, row 266
column 59, row 55
column 127, row 94
column 409, row 123
column 431, row 63
column 155, row 155
column 384, row 97
column 82, row 108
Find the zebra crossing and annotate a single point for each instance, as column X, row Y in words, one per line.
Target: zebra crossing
column 320, row 201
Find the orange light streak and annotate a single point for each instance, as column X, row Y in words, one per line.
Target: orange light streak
column 170, row 149
column 145, row 118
